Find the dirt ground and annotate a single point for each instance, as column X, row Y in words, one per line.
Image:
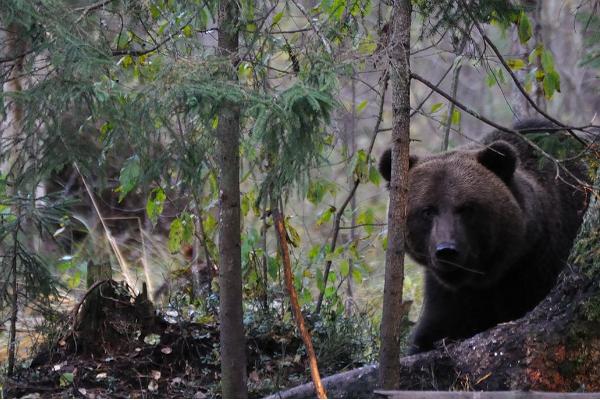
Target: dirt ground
column 117, row 346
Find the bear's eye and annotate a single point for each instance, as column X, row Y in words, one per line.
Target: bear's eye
column 428, row 212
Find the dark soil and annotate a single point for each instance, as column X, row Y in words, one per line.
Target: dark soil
column 117, row 346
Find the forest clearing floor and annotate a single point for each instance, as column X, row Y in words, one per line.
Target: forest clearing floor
column 117, row 346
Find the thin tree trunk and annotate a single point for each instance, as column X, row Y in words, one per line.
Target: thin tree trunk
column 233, row 346
column 289, row 283
column 389, row 359
column 349, row 303
column 12, row 340
column 446, row 139
column 14, row 162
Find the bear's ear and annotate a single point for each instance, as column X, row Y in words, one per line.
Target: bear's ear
column 385, row 164
column 500, row 157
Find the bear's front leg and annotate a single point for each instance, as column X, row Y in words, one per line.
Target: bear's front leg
column 443, row 316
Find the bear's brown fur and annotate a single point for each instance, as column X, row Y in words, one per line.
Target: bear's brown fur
column 492, row 226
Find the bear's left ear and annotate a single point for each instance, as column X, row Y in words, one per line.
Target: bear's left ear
column 385, row 164
column 500, row 157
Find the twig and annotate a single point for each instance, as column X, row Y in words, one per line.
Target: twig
column 495, row 125
column 451, row 108
column 314, row 27
column 418, row 107
column 89, row 8
column 137, row 53
column 287, row 270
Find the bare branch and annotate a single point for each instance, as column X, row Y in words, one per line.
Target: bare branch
column 515, row 79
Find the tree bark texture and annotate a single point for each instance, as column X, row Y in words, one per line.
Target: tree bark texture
column 399, row 53
column 554, row 348
column 233, row 346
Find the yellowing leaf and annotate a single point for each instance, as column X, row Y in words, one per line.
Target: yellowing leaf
column 436, row 107
column 516, row 64
column 361, row 106
column 456, row 117
column 276, row 18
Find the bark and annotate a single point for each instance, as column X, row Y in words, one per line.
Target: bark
column 554, row 348
column 12, row 340
column 394, row 260
column 12, row 135
column 233, row 347
column 289, row 283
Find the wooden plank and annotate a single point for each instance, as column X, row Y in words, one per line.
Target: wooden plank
column 414, row 394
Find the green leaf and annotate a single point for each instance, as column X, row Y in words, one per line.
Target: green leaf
column 325, row 216
column 551, row 83
column 154, row 12
column 244, row 70
column 456, row 117
column 361, row 106
column 125, row 61
column 329, row 292
column 436, row 107
column 314, row 252
column 293, row 235
column 175, row 236
column 356, row 275
column 187, row 221
column 361, row 168
column 155, row 204
column 187, row 31
column 367, row 218
column 525, row 30
column 130, row 174
column 374, row 175
column 344, row 268
column 276, row 18
column 66, row 379
column 74, row 280
column 536, row 52
column 320, row 282
column 547, row 61
column 367, row 45
column 516, row 64
column 317, row 189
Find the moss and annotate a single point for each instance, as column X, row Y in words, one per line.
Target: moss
column 586, row 249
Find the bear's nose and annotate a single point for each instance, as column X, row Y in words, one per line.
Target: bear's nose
column 446, row 251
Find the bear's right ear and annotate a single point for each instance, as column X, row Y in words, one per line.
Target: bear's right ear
column 500, row 157
column 385, row 164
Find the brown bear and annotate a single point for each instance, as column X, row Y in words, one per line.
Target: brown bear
column 492, row 226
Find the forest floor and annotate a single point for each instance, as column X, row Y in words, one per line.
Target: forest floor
column 118, row 347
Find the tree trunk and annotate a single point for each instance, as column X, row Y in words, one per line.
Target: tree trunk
column 233, row 347
column 554, row 348
column 394, row 260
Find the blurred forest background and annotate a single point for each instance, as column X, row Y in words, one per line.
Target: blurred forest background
column 108, row 142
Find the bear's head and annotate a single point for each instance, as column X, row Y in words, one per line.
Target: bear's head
column 464, row 222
